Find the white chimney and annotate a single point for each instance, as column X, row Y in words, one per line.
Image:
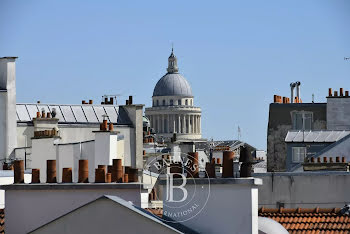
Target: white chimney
column 292, row 86
column 8, row 120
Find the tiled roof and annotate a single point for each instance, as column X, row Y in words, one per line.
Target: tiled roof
column 2, row 221
column 304, row 220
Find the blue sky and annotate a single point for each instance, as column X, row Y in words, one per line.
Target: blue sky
column 235, row 54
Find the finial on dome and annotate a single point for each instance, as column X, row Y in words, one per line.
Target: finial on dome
column 172, row 62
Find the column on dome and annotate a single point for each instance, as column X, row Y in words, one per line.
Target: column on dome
column 168, row 123
column 195, row 124
column 173, row 123
column 200, row 125
column 179, row 124
column 184, row 124
column 192, row 123
column 189, row 124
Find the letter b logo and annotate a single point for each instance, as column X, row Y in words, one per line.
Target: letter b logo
column 170, row 187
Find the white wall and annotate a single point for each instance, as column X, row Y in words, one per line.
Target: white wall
column 9, row 180
column 43, row 149
column 8, row 122
column 305, row 190
column 231, row 207
column 33, row 208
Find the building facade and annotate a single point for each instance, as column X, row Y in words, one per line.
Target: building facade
column 173, row 109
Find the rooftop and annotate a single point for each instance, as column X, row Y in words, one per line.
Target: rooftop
column 305, row 220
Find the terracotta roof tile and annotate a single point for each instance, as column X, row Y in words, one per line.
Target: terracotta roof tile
column 309, row 220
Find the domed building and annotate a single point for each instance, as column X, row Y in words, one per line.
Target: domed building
column 173, row 109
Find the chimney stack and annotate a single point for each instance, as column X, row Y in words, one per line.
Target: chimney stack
column 19, row 172
column 51, row 171
column 67, row 175
column 100, row 176
column 83, row 171
column 292, row 86
column 130, row 100
column 227, row 171
column 35, row 176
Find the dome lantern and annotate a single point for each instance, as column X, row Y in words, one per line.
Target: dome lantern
column 172, row 63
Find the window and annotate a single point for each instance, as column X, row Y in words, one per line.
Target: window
column 179, row 102
column 163, row 102
column 186, row 102
column 299, row 154
column 157, row 102
column 302, row 120
column 171, row 102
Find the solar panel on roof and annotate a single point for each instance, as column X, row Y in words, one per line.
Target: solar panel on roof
column 99, row 112
column 79, row 114
column 22, row 113
column 32, row 110
column 90, row 114
column 68, row 114
column 112, row 113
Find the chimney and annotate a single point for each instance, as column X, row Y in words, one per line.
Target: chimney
column 35, row 176
column 130, row 100
column 227, row 171
column 210, row 169
column 110, row 127
column 100, row 176
column 133, row 175
column 341, row 92
column 91, row 102
column 330, row 92
column 19, row 172
column 292, row 86
column 298, row 89
column 111, row 101
column 117, row 173
column 83, row 171
column 108, row 178
column 8, row 129
column 126, row 178
column 67, row 175
column 51, row 171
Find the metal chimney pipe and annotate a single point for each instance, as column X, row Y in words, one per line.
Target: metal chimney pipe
column 292, row 86
column 298, row 89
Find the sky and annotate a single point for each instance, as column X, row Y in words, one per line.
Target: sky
column 235, row 54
